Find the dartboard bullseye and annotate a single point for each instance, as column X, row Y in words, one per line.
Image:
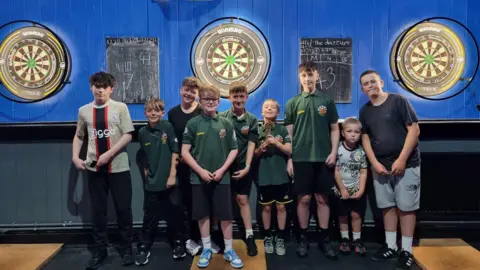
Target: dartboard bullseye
column 32, row 63
column 228, row 53
column 430, row 59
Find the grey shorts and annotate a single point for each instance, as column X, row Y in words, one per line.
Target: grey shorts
column 402, row 192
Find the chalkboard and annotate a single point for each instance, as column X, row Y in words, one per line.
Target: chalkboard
column 133, row 61
column 333, row 57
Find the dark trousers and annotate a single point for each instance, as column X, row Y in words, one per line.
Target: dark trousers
column 155, row 202
column 120, row 186
column 183, row 173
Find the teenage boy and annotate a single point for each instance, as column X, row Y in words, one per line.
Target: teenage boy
column 178, row 117
column 158, row 142
column 390, row 139
column 311, row 119
column 246, row 130
column 274, row 184
column 109, row 128
column 209, row 148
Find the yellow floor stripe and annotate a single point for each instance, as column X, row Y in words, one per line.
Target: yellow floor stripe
column 249, row 263
column 446, row 254
column 27, row 256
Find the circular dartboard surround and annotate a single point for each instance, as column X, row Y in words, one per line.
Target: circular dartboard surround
column 231, row 52
column 33, row 63
column 429, row 60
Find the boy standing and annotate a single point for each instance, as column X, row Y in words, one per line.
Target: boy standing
column 209, row 148
column 246, row 130
column 390, row 139
column 274, row 150
column 158, row 142
column 178, row 117
column 109, row 128
column 351, row 178
column 311, row 119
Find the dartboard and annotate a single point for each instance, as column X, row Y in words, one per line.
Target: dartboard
column 430, row 59
column 229, row 53
column 33, row 63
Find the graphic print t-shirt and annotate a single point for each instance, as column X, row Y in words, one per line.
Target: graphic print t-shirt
column 105, row 125
column 350, row 162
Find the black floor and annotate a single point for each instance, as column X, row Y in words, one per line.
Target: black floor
column 75, row 258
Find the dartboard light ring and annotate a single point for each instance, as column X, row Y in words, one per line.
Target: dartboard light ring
column 228, row 53
column 430, row 59
column 33, row 63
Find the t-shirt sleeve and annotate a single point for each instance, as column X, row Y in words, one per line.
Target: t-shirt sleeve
column 286, row 135
column 333, row 115
column 253, row 134
column 289, row 114
column 231, row 137
column 361, row 117
column 81, row 125
column 363, row 159
column 172, row 138
column 189, row 133
column 406, row 111
column 125, row 120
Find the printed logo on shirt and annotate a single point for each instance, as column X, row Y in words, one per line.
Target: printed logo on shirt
column 164, row 138
column 322, row 110
column 222, row 133
column 114, row 118
column 185, row 131
column 100, row 133
column 245, row 130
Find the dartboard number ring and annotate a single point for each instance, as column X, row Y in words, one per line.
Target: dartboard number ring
column 229, row 53
column 430, row 59
column 32, row 63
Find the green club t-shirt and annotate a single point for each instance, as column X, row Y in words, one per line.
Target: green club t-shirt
column 158, row 143
column 272, row 168
column 311, row 116
column 212, row 139
column 246, row 130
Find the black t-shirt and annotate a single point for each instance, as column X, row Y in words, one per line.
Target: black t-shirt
column 179, row 120
column 385, row 124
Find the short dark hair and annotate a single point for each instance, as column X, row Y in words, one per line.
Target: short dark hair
column 237, row 87
column 155, row 104
column 102, row 80
column 192, row 82
column 366, row 72
column 307, row 66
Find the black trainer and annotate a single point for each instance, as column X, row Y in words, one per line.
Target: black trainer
column 251, row 246
column 127, row 257
column 142, row 256
column 96, row 260
column 384, row 253
column 327, row 248
column 302, row 246
column 405, row 260
column 345, row 246
column 179, row 250
column 359, row 247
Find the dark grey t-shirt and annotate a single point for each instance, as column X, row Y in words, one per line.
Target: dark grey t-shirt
column 385, row 124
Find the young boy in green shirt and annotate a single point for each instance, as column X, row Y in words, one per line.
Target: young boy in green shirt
column 160, row 145
column 209, row 148
column 246, row 130
column 274, row 184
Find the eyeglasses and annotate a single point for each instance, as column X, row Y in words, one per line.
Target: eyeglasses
column 211, row 100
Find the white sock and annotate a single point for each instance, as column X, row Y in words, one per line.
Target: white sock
column 356, row 235
column 249, row 232
column 391, row 239
column 344, row 234
column 407, row 243
column 228, row 244
column 206, row 242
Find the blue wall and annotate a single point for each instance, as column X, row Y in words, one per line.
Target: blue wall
column 373, row 25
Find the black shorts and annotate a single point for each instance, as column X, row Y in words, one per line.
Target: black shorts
column 211, row 199
column 241, row 186
column 345, row 207
column 275, row 193
column 313, row 177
